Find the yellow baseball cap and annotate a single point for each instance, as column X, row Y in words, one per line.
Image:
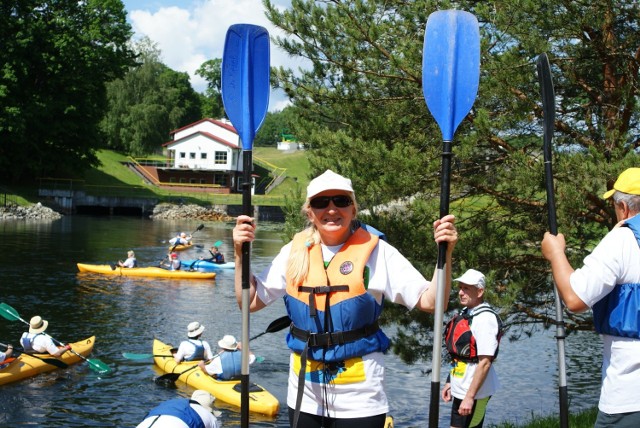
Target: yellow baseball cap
column 627, row 182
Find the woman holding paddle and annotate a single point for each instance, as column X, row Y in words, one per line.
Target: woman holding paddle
column 334, row 277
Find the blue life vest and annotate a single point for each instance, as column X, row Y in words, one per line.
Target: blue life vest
column 618, row 313
column 333, row 316
column 198, row 354
column 181, row 409
column 231, row 362
column 27, row 342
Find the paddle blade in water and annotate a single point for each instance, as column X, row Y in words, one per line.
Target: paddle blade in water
column 132, row 356
column 450, row 67
column 98, row 366
column 245, row 79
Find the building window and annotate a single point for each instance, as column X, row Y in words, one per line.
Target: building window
column 203, row 156
column 183, row 155
column 220, row 179
column 192, row 181
column 183, row 180
column 221, row 158
column 192, row 155
column 203, row 181
column 172, row 179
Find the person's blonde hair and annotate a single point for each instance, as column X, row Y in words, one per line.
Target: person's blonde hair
column 298, row 263
column 130, row 253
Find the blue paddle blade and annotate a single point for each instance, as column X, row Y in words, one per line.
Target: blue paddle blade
column 245, row 79
column 450, row 67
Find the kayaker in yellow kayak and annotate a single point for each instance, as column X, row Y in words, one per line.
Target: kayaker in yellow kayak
column 131, row 261
column 172, row 264
column 181, row 239
column 35, row 341
column 179, row 412
column 194, row 348
column 226, row 365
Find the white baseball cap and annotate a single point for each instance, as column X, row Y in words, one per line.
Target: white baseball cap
column 472, row 277
column 328, row 180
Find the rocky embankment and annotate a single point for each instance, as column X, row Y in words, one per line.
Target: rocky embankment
column 172, row 212
column 31, row 212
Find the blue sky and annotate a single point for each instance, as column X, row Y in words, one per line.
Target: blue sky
column 190, row 32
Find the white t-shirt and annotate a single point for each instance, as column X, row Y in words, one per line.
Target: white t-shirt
column 187, row 348
column 129, row 263
column 391, row 276
column 616, row 260
column 484, row 328
column 166, row 421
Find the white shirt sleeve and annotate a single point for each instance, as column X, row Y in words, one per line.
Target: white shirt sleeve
column 613, row 261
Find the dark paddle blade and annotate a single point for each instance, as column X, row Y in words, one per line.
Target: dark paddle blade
column 548, row 109
column 450, row 77
column 245, row 79
column 450, row 67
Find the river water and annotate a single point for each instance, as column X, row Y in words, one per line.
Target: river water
column 39, row 277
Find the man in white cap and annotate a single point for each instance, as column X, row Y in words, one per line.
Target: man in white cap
column 472, row 338
column 194, row 348
column 196, row 412
column 36, row 341
column 609, row 284
column 226, row 364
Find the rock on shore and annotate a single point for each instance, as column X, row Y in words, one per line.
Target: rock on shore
column 32, row 212
column 171, row 211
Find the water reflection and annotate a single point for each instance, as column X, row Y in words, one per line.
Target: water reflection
column 40, row 277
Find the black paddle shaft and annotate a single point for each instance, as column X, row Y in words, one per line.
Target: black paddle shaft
column 247, row 156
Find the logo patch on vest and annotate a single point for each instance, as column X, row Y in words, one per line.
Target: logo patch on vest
column 346, row 268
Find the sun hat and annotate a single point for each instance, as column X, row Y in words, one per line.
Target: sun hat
column 204, row 398
column 627, row 182
column 174, row 255
column 472, row 277
column 194, row 329
column 228, row 342
column 328, row 180
column 37, row 325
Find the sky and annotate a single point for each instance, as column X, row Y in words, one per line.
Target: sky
column 190, row 32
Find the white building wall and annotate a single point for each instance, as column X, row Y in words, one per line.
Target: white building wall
column 211, row 128
column 194, row 146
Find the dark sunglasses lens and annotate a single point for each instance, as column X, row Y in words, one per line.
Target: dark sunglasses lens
column 320, row 202
column 340, row 201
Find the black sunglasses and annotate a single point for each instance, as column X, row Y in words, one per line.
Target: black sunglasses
column 340, row 201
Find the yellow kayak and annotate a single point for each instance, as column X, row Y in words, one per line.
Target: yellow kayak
column 26, row 365
column 157, row 272
column 261, row 400
column 180, row 247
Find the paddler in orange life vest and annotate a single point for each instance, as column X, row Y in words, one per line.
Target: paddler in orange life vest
column 471, row 338
column 334, row 277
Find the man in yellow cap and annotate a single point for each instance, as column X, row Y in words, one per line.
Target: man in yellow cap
column 609, row 284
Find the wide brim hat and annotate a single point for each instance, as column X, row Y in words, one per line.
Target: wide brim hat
column 37, row 325
column 628, row 182
column 228, row 342
column 472, row 277
column 205, row 399
column 328, row 180
column 194, row 329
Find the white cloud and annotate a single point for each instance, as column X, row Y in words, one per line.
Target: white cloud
column 192, row 33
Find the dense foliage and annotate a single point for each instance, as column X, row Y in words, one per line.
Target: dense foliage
column 55, row 59
column 149, row 102
column 365, row 116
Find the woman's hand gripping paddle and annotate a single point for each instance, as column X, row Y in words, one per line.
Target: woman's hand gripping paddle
column 11, row 314
column 548, row 109
column 245, row 95
column 450, row 76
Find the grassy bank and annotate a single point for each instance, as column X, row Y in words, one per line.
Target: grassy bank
column 584, row 419
column 113, row 178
